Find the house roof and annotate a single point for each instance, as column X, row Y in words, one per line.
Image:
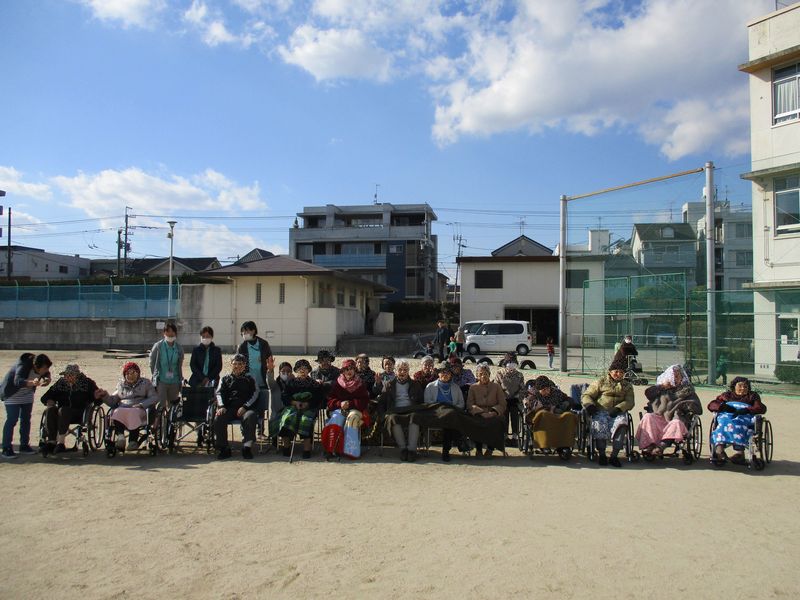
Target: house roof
column 146, row 265
column 255, row 254
column 523, row 246
column 654, row 232
column 505, row 259
column 282, row 265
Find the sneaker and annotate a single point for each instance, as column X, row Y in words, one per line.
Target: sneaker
column 223, row 453
column 26, row 449
column 602, row 460
column 8, row 454
column 59, row 449
column 445, row 457
column 247, row 452
column 614, row 462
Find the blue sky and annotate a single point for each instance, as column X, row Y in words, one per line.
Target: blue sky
column 231, row 115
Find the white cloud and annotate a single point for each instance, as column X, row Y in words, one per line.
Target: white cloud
column 12, row 183
column 109, row 191
column 198, row 238
column 210, row 24
column 336, row 53
column 129, row 13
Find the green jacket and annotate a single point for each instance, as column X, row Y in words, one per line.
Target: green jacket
column 607, row 394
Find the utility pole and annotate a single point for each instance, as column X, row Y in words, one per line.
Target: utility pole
column 8, row 266
column 711, row 312
column 125, row 247
column 119, row 249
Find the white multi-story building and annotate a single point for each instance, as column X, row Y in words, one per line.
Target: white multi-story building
column 774, row 69
column 37, row 264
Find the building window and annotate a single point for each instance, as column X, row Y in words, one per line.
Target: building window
column 281, row 293
column 46, row 267
column 258, row 293
column 340, row 296
column 353, row 298
column 744, row 230
column 744, row 258
column 63, row 269
column 576, row 277
column 305, row 251
column 787, row 204
column 668, row 232
column 786, row 94
column 486, row 279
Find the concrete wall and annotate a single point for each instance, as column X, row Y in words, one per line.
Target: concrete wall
column 89, row 334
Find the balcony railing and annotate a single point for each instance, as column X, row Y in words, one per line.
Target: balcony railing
column 685, row 259
column 350, row 261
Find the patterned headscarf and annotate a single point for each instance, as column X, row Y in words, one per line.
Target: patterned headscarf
column 668, row 376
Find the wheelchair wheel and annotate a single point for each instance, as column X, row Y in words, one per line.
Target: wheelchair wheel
column 767, row 441
column 209, row 429
column 43, row 436
column 85, row 448
column 171, row 429
column 695, row 441
column 96, row 427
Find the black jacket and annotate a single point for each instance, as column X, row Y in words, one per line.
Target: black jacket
column 198, row 359
column 298, row 386
column 78, row 397
column 235, row 392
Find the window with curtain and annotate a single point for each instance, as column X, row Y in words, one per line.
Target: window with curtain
column 786, row 94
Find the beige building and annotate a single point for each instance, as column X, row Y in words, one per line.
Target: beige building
column 524, row 287
column 774, row 70
column 298, row 307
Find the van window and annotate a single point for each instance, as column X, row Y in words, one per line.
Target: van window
column 473, row 327
column 511, row 328
column 491, row 329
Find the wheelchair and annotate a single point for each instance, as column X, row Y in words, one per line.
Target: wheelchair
column 689, row 449
column 527, row 444
column 758, row 452
column 89, row 433
column 189, row 416
column 633, row 373
column 587, row 445
column 150, row 431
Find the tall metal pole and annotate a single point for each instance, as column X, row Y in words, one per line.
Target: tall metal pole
column 125, row 247
column 119, row 250
column 562, row 287
column 8, row 256
column 171, row 236
column 711, row 314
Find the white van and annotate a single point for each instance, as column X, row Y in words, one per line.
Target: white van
column 497, row 337
column 471, row 327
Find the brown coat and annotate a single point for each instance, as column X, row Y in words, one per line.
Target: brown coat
column 483, row 398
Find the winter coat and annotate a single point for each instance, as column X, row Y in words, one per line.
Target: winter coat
column 486, row 398
column 431, row 395
column 388, row 398
column 235, row 392
column 142, row 392
column 668, row 401
column 299, row 386
column 751, row 398
column 358, row 398
column 78, row 396
column 512, row 382
column 557, row 402
column 606, row 394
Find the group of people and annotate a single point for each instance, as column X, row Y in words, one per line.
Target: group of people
column 357, row 402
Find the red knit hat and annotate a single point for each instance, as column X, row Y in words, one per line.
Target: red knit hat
column 130, row 365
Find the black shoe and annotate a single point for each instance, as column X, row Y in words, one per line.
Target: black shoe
column 412, row 456
column 286, row 451
column 223, row 453
column 614, row 462
column 26, row 449
column 247, row 452
column 404, row 455
column 446, row 456
column 306, row 454
column 59, row 449
column 602, row 460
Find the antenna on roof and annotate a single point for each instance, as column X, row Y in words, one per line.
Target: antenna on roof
column 377, row 185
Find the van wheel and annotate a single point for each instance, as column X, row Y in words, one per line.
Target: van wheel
column 473, row 349
column 522, row 349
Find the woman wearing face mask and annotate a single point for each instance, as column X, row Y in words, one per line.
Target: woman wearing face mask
column 260, row 364
column 166, row 367
column 206, row 361
column 302, row 398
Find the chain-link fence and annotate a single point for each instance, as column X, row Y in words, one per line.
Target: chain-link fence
column 88, row 301
column 756, row 330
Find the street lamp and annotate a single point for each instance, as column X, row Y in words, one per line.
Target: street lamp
column 171, row 236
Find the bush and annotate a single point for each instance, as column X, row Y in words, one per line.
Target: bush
column 788, row 371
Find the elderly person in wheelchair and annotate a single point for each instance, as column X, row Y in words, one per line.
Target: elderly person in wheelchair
column 66, row 402
column 607, row 402
column 671, row 404
column 736, row 411
column 548, row 416
column 237, row 399
column 129, row 409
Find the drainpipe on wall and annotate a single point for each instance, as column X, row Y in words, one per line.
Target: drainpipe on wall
column 305, row 327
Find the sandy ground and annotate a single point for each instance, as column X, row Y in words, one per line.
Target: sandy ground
column 187, row 526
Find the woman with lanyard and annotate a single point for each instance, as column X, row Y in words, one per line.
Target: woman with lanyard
column 166, row 366
column 260, row 365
